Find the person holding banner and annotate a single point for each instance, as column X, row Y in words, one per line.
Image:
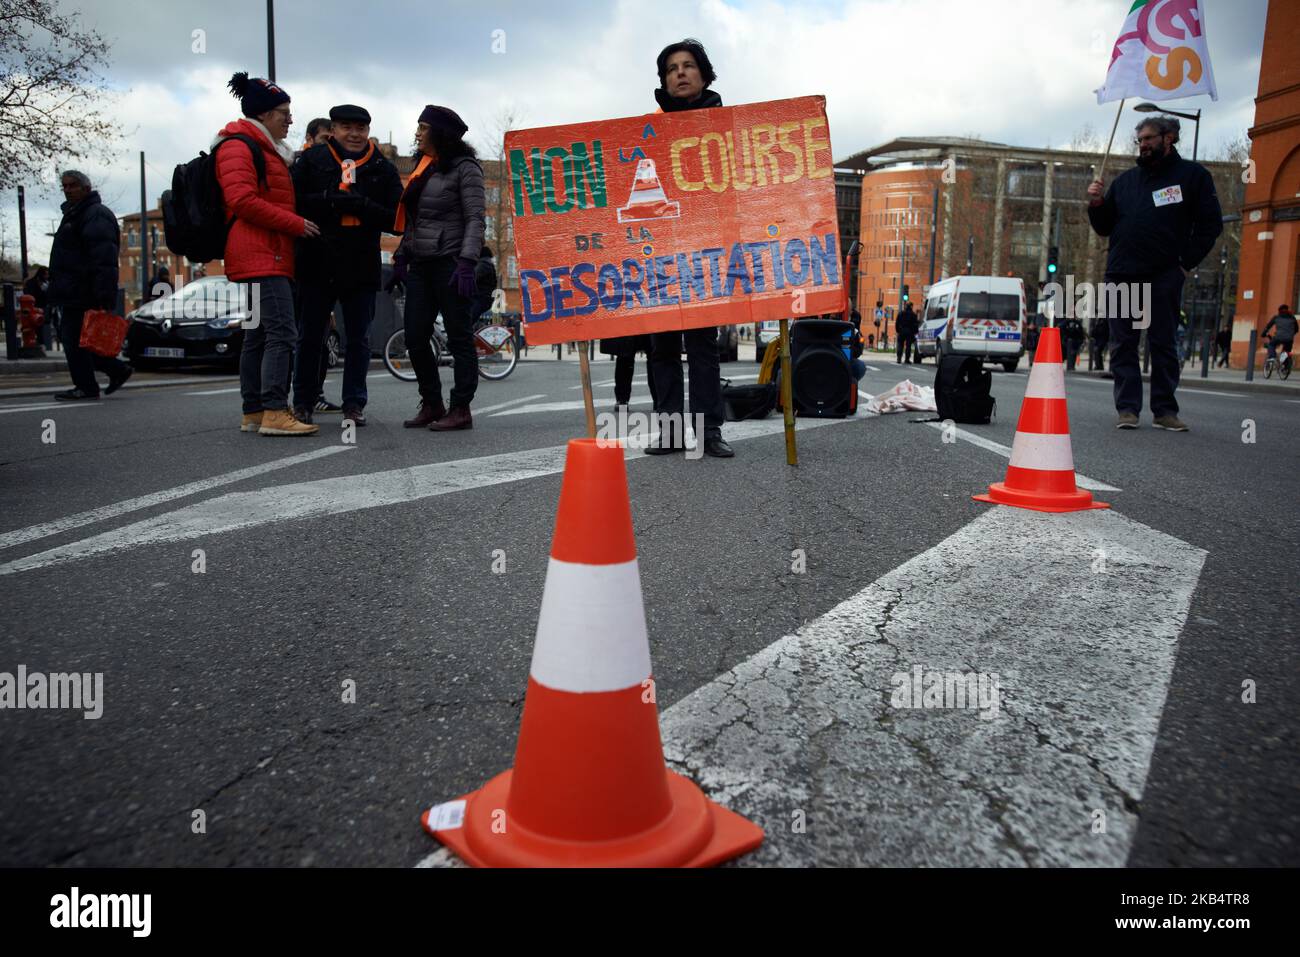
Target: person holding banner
column 1162, row 217
column 685, row 75
column 441, row 221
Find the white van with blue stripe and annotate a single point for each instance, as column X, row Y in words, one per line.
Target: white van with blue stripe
column 975, row 316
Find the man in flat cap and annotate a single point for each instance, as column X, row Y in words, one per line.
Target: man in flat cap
column 347, row 187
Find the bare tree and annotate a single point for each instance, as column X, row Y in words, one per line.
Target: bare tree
column 51, row 92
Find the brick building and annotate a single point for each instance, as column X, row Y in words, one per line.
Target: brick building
column 1270, row 244
column 128, row 257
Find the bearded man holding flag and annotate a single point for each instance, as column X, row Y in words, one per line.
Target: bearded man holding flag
column 1163, row 215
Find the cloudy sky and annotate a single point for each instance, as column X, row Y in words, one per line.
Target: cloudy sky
column 1015, row 71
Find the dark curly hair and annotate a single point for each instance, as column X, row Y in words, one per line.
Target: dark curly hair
column 696, row 49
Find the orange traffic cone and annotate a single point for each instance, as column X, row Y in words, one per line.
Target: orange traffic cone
column 589, row 787
column 647, row 201
column 1041, row 473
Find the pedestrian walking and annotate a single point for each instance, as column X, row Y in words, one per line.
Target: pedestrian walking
column 350, row 190
column 685, row 78
column 1099, row 335
column 264, row 224
column 905, row 329
column 1162, row 217
column 83, row 276
column 1223, row 340
column 1031, row 337
column 1072, row 338
column 441, row 217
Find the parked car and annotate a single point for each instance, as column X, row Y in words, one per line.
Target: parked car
column 198, row 323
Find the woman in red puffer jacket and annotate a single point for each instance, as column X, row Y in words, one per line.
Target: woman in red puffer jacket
column 259, row 250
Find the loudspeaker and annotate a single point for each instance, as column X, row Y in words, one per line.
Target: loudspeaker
column 822, row 383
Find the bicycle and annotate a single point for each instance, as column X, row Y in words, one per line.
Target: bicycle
column 494, row 344
column 1282, row 365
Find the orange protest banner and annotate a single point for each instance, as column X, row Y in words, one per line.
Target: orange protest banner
column 675, row 220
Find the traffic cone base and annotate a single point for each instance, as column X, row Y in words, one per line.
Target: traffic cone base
column 696, row 833
column 589, row 786
column 1000, row 493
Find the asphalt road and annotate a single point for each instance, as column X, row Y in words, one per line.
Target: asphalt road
column 373, row 563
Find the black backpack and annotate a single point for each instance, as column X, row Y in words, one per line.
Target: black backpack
column 961, row 390
column 194, row 217
column 485, row 276
column 742, row 402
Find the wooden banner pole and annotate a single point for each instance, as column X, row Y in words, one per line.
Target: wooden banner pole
column 787, row 395
column 1101, row 171
column 588, row 402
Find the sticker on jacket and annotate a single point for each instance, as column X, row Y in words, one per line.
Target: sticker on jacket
column 1170, row 194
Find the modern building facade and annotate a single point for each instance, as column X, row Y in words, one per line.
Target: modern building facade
column 934, row 207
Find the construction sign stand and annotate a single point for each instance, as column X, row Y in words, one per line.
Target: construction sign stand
column 787, row 395
column 588, row 402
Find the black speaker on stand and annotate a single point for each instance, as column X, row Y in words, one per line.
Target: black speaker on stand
column 822, row 383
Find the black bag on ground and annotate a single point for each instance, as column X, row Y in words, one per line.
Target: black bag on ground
column 194, row 214
column 961, row 390
column 742, row 402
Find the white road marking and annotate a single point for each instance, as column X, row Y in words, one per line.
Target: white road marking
column 566, row 406
column 28, row 390
column 504, row 405
column 1080, row 480
column 18, row 536
column 1083, row 661
column 52, row 405
column 333, row 496
column 215, row 391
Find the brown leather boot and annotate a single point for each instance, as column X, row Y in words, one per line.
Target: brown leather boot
column 428, row 413
column 457, row 418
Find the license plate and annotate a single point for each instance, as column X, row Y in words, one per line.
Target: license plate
column 158, row 352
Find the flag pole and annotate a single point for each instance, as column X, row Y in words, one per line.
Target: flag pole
column 1106, row 156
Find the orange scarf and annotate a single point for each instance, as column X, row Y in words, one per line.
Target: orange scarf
column 399, row 222
column 344, row 183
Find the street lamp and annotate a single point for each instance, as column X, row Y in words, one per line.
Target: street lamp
column 1194, row 117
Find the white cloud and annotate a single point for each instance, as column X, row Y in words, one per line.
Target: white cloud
column 1018, row 71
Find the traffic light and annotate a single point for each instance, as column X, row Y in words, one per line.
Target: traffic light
column 904, row 292
column 1053, row 257
column 880, row 303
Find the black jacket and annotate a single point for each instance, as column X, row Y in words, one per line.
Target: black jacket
column 908, row 323
column 348, row 255
column 1146, row 239
column 83, row 257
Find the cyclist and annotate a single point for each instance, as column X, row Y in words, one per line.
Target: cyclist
column 1285, row 322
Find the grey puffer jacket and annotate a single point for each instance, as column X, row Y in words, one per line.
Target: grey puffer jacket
column 448, row 218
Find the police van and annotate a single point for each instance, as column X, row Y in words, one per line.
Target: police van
column 975, row 316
